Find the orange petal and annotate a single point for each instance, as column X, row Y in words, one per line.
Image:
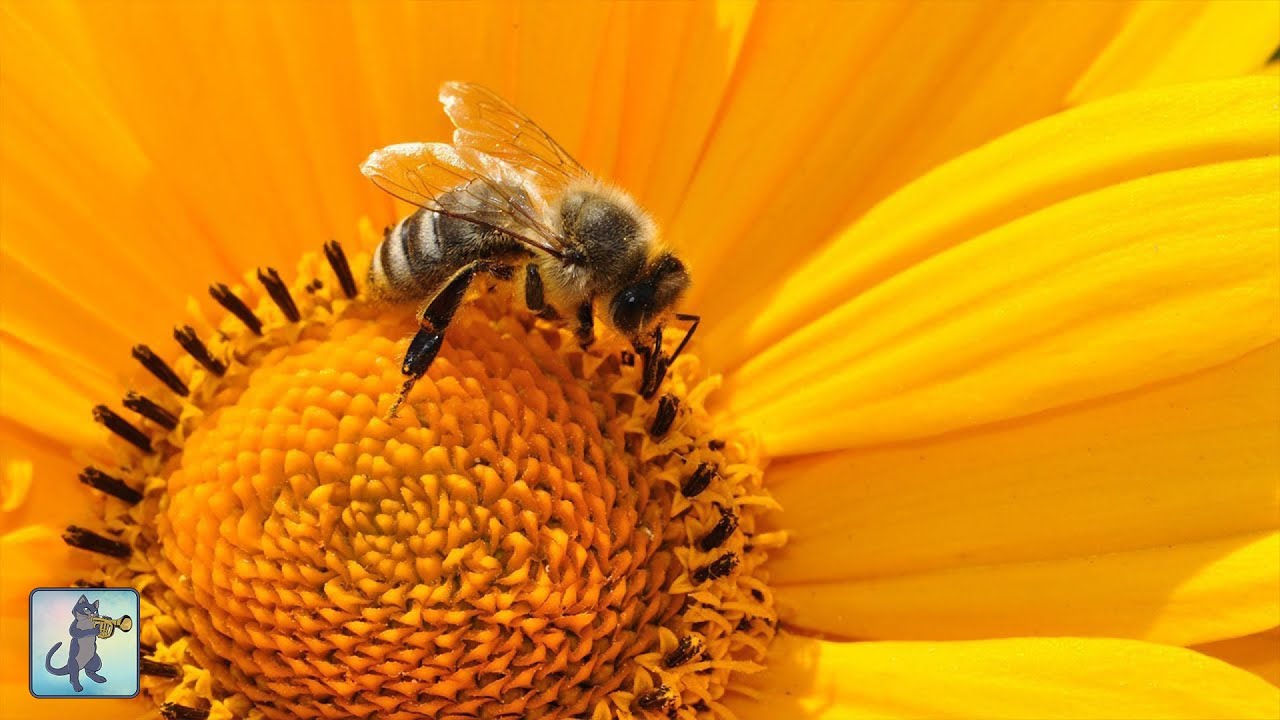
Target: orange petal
column 1016, row 678
column 1100, row 293
column 53, row 474
column 1164, row 43
column 1017, row 514
column 1258, row 653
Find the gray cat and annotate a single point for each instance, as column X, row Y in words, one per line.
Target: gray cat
column 83, row 653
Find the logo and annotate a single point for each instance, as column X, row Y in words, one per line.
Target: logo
column 83, row 642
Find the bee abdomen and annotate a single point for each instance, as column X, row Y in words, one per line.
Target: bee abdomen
column 407, row 262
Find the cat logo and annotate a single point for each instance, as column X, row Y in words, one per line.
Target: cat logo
column 83, row 643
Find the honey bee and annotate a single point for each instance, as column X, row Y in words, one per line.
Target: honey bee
column 504, row 194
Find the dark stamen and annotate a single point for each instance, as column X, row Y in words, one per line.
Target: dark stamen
column 85, row 539
column 627, row 358
column 666, row 414
column 338, row 261
column 174, row 711
column 95, row 478
column 186, row 337
column 148, row 409
column 690, row 647
column 279, row 292
column 698, row 481
column 89, row 583
column 716, row 445
column 716, row 569
column 659, row 699
column 122, row 428
column 721, row 532
column 160, row 369
column 147, row 666
column 236, row 306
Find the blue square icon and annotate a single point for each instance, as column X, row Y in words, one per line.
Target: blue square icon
column 84, row 642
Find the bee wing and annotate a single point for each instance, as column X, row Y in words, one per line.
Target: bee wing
column 436, row 177
column 490, row 125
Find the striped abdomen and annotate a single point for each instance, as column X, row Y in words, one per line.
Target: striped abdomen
column 424, row 250
column 411, row 261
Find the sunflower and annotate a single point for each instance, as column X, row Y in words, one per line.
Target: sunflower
column 982, row 421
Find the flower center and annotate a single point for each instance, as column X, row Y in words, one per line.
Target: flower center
column 527, row 537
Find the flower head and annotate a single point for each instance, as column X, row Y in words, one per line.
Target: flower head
column 989, row 440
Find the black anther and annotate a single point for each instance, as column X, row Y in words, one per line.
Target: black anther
column 338, row 261
column 95, row 478
column 716, row 569
column 147, row 666
column 236, row 306
column 160, row 369
column 186, row 337
column 147, row 408
column 279, row 292
column 659, row 699
column 122, row 428
column 665, row 415
column 690, row 647
column 174, row 711
column 86, row 539
column 698, row 481
column 721, row 532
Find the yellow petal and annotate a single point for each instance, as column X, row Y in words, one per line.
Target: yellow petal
column 1028, row 170
column 1016, row 678
column 885, row 91
column 954, row 324
column 833, row 105
column 1019, row 513
column 1258, row 653
column 1180, row 594
column 1169, row 42
column 176, row 145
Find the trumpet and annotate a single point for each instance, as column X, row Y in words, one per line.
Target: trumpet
column 107, row 626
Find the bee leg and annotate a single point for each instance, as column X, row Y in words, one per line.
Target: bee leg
column 586, row 325
column 654, row 366
column 426, row 344
column 534, row 296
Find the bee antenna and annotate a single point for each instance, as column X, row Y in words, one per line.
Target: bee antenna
column 694, row 319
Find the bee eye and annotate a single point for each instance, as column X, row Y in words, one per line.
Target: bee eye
column 630, row 307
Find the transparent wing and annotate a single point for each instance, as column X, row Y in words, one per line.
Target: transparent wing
column 436, row 177
column 490, row 125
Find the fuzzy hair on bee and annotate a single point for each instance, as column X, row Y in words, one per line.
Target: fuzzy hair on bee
column 503, row 196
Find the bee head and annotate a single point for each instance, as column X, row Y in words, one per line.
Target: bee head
column 637, row 305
